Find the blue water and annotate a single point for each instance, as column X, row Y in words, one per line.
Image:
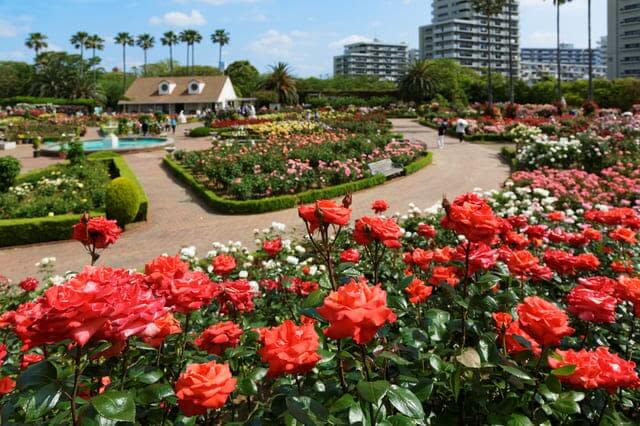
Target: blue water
column 123, row 144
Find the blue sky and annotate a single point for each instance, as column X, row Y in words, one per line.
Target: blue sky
column 304, row 33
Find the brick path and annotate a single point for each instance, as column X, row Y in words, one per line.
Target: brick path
column 178, row 219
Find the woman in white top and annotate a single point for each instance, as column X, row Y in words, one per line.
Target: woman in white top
column 461, row 125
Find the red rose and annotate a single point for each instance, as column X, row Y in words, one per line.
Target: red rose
column 217, row 338
column 350, row 255
column 289, row 349
column 444, row 275
column 379, row 206
column 599, row 369
column 7, row 384
column 356, row 310
column 324, row 212
column 518, row 222
column 223, row 264
column 29, row 284
column 374, row 228
column 98, row 304
column 624, row 235
column 3, row 353
column 587, row 262
column 516, row 240
column 471, row 216
column 236, row 294
column 97, row 232
column 591, row 305
column 592, row 234
column 269, row 284
column 522, row 264
column 543, row 320
column 560, row 261
column 302, row 288
column 422, row 258
column 602, row 284
column 628, row 289
column 427, row 231
column 417, row 291
column 204, row 386
column 7, row 319
column 556, row 216
column 444, row 254
column 157, row 331
column 28, row 359
column 508, row 329
column 272, row 247
column 481, row 256
column 184, row 290
column 622, row 267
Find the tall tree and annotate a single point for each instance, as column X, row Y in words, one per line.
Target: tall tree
column 124, row 39
column 244, row 76
column 197, row 38
column 558, row 3
column 489, row 8
column 170, row 39
column 281, row 82
column 590, row 91
column 79, row 41
column 417, row 84
column 94, row 42
column 221, row 38
column 37, row 42
column 190, row 37
column 146, row 42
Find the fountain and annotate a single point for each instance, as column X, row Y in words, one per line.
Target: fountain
column 114, row 140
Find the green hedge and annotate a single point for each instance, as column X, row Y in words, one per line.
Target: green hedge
column 89, row 103
column 282, row 202
column 14, row 232
column 200, row 132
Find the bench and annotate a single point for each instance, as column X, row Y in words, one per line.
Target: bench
column 4, row 146
column 384, row 167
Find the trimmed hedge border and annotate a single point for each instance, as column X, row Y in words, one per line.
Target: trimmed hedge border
column 282, row 202
column 15, row 232
column 55, row 101
column 478, row 137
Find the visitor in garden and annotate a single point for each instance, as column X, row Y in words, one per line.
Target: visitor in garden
column 442, row 131
column 145, row 128
column 461, row 126
column 174, row 124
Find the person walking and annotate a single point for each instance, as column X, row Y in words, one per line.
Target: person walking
column 461, row 126
column 442, row 131
column 174, row 124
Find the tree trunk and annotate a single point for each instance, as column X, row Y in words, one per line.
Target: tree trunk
column 95, row 69
column 489, row 75
column 124, row 69
column 590, row 94
column 511, row 91
column 188, row 47
column 171, row 59
column 145, row 62
column 220, row 58
column 193, row 56
column 559, row 73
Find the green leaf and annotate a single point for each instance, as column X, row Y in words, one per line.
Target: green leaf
column 45, row 399
column 566, row 370
column 37, row 375
column 553, row 384
column 147, row 376
column 314, row 299
column 400, row 420
column 516, row 372
column 437, row 321
column 516, row 419
column 470, row 358
column 246, row 386
column 257, row 373
column 115, row 405
column 372, row 391
column 155, row 393
column 567, row 403
column 405, row 401
column 394, row 358
column 344, row 402
column 436, row 362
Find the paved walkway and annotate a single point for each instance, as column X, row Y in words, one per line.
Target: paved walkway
column 178, row 219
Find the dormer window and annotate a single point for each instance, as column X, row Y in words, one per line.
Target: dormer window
column 166, row 87
column 195, row 87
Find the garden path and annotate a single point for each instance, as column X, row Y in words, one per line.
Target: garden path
column 178, row 219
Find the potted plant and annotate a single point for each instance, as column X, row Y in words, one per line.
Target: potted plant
column 37, row 142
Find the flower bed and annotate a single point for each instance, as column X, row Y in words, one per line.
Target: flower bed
column 288, row 165
column 62, row 197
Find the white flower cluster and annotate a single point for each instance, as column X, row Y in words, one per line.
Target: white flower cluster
column 523, row 134
column 525, row 200
column 542, row 151
column 54, row 182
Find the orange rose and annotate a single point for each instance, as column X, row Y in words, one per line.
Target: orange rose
column 217, row 338
column 417, row 291
column 289, row 349
column 624, row 235
column 544, row 321
column 7, row 384
column 356, row 310
column 158, row 330
column 204, row 386
column 324, row 212
column 223, row 264
column 471, row 216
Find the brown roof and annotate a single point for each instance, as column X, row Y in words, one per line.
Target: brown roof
column 144, row 90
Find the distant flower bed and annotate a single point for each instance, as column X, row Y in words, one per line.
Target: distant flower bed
column 64, row 189
column 292, row 164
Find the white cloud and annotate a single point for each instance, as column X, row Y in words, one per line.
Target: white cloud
column 7, row 29
column 179, row 19
column 14, row 26
column 52, row 47
column 273, row 42
column 354, row 38
column 540, row 39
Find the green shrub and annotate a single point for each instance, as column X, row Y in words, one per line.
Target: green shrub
column 200, row 132
column 9, row 171
column 122, row 201
column 75, row 152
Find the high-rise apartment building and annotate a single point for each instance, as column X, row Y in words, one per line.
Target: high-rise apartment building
column 387, row 61
column 459, row 32
column 623, row 38
column 568, row 55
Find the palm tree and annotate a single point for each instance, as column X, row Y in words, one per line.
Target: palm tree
column 590, row 91
column 190, row 37
column 558, row 3
column 94, row 42
column 220, row 37
column 146, row 42
column 489, row 8
column 37, row 42
column 79, row 41
column 125, row 40
column 170, row 39
column 197, row 38
column 417, row 84
column 281, row 82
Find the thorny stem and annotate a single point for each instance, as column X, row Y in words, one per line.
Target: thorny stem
column 467, row 252
column 76, row 381
column 363, row 355
column 343, row 383
column 124, row 364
